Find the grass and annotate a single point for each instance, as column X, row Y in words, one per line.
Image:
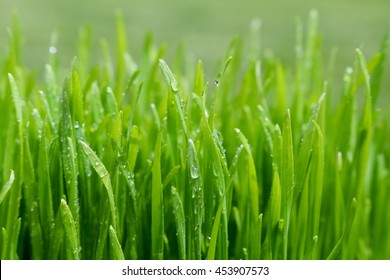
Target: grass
column 142, row 159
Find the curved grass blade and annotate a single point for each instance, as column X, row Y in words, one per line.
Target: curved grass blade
column 350, row 218
column 104, row 176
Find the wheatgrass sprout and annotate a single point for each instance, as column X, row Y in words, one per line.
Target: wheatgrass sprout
column 145, row 158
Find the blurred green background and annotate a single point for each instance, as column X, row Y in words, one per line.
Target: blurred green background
column 204, row 26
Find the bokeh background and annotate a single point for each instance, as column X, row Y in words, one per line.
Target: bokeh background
column 205, row 27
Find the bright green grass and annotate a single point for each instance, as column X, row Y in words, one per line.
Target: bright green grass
column 134, row 159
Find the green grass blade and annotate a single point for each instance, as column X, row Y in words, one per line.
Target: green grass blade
column 157, row 204
column 195, row 200
column 253, row 188
column 15, row 240
column 37, row 241
column 168, row 75
column 56, row 237
column 180, row 223
column 104, row 176
column 115, row 245
column 70, row 230
column 350, row 218
column 174, row 86
column 7, row 186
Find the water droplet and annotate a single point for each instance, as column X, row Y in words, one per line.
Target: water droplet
column 53, row 50
column 194, row 170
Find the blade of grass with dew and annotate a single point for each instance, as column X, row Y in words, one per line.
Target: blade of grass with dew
column 214, row 195
column 70, row 230
column 68, row 152
column 214, row 98
column 195, row 202
column 131, row 210
column 305, row 149
column 104, row 176
column 180, row 222
column 157, row 225
column 174, row 86
column 16, row 191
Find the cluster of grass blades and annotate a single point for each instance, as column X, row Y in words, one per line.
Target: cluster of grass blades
column 134, row 159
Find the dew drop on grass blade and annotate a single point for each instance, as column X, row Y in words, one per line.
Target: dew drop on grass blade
column 195, row 198
column 174, row 86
